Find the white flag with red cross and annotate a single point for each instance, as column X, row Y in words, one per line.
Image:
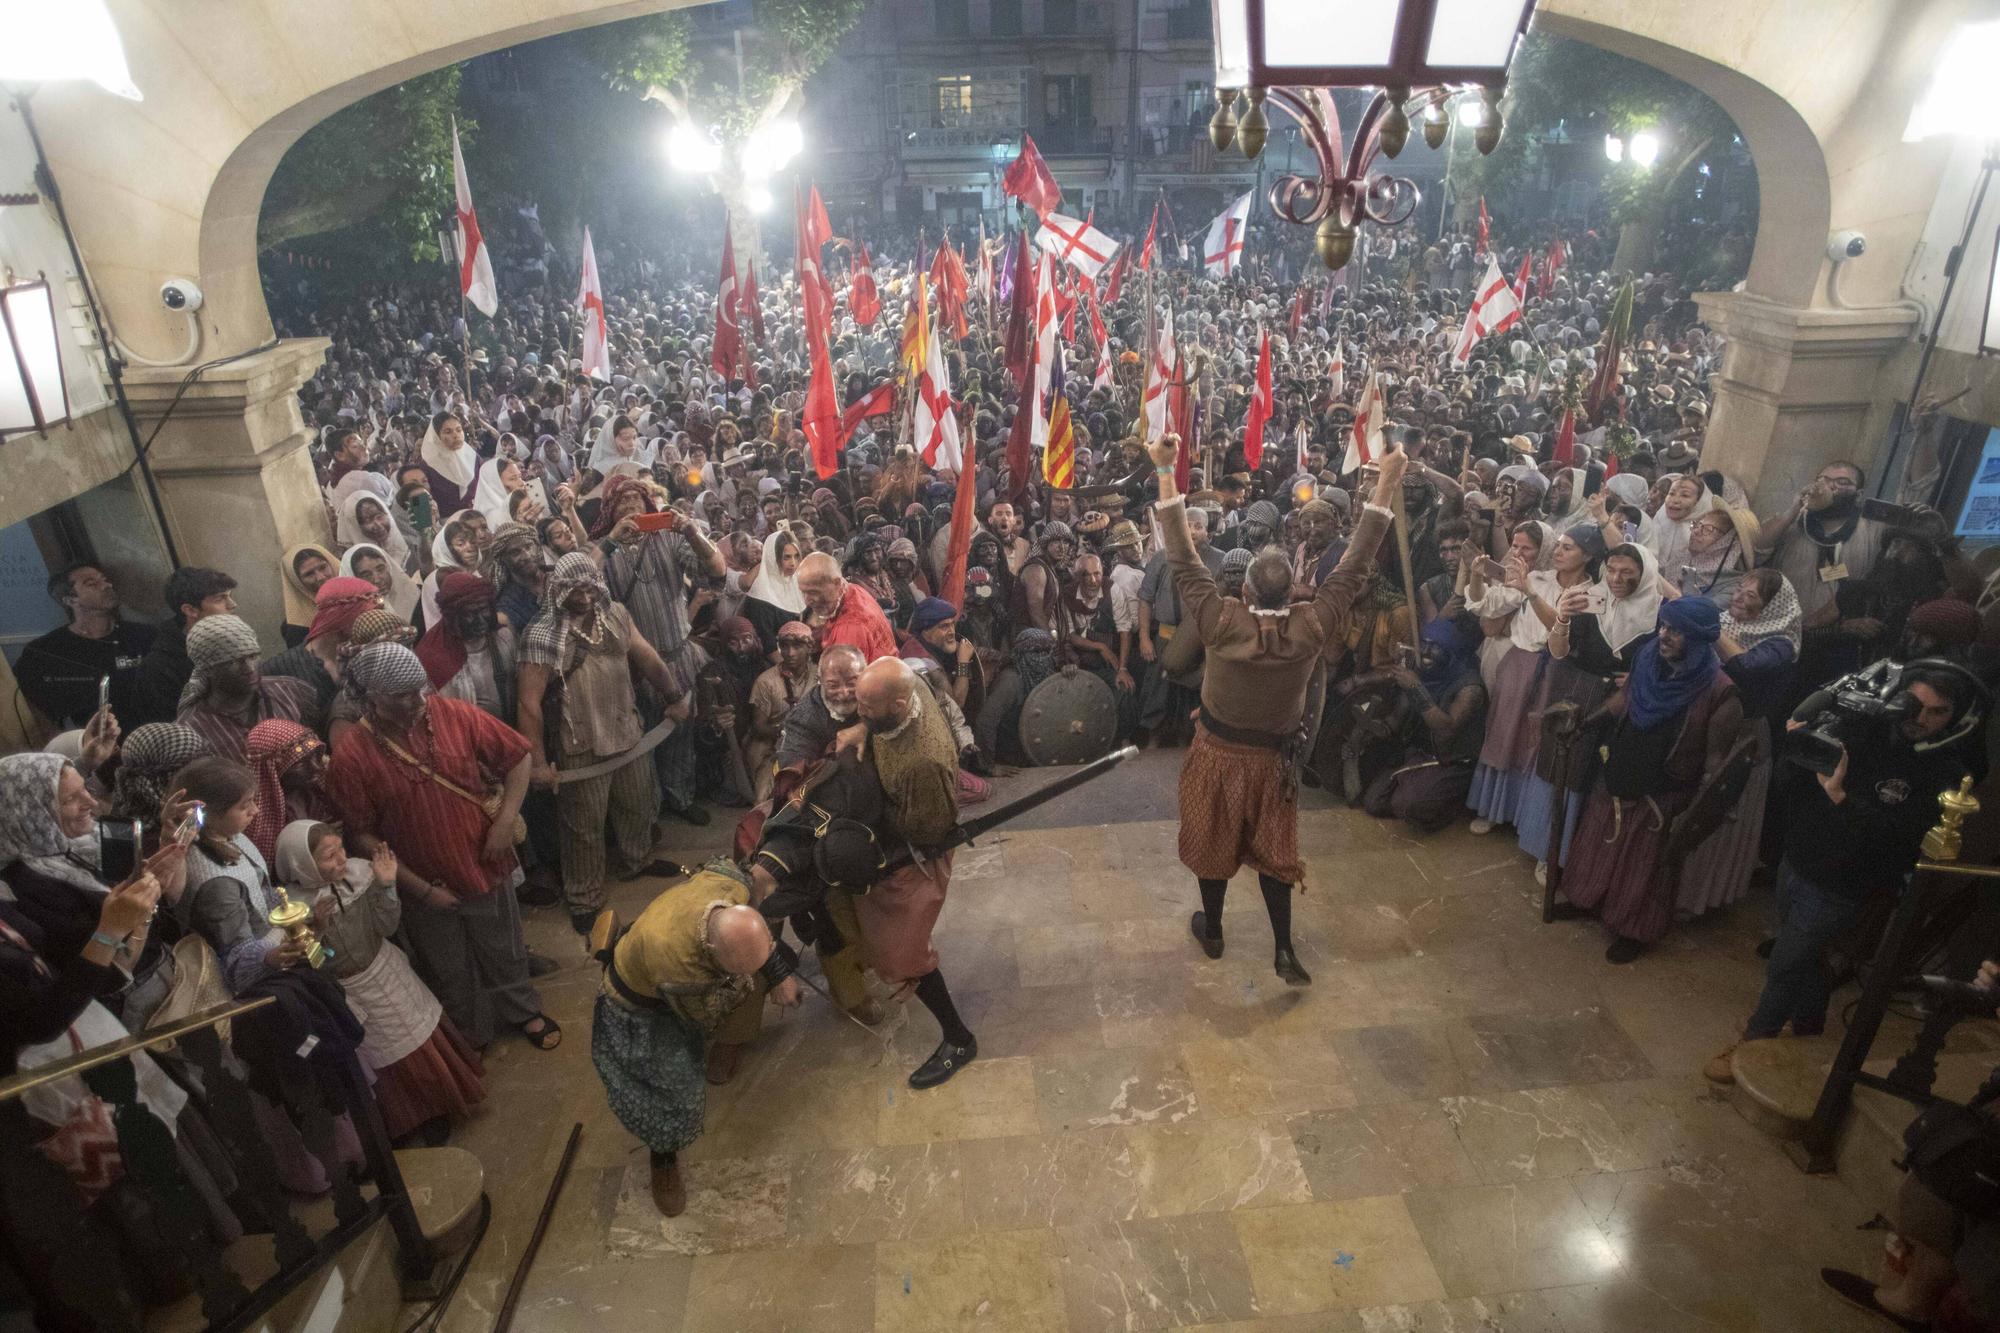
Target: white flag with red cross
column 590, row 301
column 1078, row 244
column 1494, row 310
column 1222, row 249
column 475, row 265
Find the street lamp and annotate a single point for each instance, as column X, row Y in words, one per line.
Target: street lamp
column 1420, row 54
column 771, row 146
column 33, row 395
column 71, row 39
column 1614, row 148
column 1645, row 148
column 689, row 150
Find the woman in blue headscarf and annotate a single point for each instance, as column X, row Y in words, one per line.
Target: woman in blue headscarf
column 1670, row 726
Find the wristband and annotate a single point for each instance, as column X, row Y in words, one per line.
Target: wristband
column 108, row 941
column 784, row 961
column 1162, row 471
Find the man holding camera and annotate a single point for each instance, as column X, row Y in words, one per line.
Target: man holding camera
column 1851, row 832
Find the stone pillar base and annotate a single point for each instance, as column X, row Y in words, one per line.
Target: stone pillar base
column 235, row 475
column 1796, row 389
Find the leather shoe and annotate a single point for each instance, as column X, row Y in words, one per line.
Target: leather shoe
column 660, row 869
column 1623, row 950
column 1210, row 944
column 945, row 1061
column 670, row 1194
column 723, row 1058
column 1287, row 964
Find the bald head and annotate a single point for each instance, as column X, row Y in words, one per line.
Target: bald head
column 740, row 938
column 821, row 583
column 884, row 694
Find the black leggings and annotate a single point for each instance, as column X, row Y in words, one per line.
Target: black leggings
column 1277, row 902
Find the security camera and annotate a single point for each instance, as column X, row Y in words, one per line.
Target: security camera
column 1844, row 245
column 180, row 294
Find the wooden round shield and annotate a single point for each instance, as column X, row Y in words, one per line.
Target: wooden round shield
column 1070, row 718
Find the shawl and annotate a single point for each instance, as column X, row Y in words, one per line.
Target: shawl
column 1781, row 618
column 1629, row 488
column 403, row 594
column 298, row 602
column 1670, row 536
column 1638, row 612
column 1657, row 690
column 347, row 529
column 442, row 561
column 29, row 832
column 606, row 457
column 454, row 465
column 772, row 585
column 549, row 640
column 271, row 748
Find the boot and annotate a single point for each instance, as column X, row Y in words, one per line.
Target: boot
column 723, row 1058
column 669, row 1190
column 1209, row 940
column 1287, row 965
column 1721, row 1067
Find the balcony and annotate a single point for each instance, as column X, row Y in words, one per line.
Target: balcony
column 1074, row 140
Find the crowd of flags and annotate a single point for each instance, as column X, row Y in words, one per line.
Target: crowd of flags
column 1043, row 285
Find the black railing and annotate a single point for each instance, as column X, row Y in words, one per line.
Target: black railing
column 174, row 1190
column 1074, row 140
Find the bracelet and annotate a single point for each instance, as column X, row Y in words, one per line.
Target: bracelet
column 1562, row 622
column 108, row 941
column 1159, row 471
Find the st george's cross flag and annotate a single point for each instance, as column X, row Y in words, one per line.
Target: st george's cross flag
column 1042, row 379
column 1494, row 310
column 1160, row 374
column 1222, row 249
column 936, row 416
column 1102, row 379
column 475, row 265
column 590, row 303
column 1078, row 244
column 1337, row 374
column 1368, row 421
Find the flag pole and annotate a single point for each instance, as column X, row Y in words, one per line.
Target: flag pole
column 1401, row 524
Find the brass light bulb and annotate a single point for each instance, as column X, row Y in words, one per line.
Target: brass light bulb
column 1252, row 129
column 1487, row 136
column 1396, row 123
column 1222, row 125
column 1436, row 123
column 1335, row 242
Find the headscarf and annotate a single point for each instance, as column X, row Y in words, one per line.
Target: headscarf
column 506, row 540
column 271, row 748
column 1657, row 691
column 347, row 528
column 1670, row 536
column 605, row 458
column 454, row 465
column 1456, row 657
column 798, row 629
column 1732, row 555
column 298, row 602
column 29, row 831
column 441, row 650
column 385, row 668
column 1638, row 612
column 1588, row 538
column 607, row 503
column 403, row 594
column 1034, row 658
column 1579, row 503
column 150, row 755
column 548, row 641
column 930, row 613
column 1629, row 488
column 772, row 585
column 294, row 864
column 213, row 641
column 341, row 601
column 442, row 560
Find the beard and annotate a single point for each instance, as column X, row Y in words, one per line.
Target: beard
column 838, row 713
column 879, row 725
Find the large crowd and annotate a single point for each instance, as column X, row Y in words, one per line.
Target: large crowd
column 546, row 611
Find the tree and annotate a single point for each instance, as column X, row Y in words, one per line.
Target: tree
column 1585, row 92
column 385, row 159
column 735, row 96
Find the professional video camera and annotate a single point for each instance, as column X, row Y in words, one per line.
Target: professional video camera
column 1862, row 706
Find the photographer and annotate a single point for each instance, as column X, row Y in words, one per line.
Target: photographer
column 1851, row 832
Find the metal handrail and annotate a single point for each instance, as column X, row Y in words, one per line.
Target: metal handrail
column 15, row 1085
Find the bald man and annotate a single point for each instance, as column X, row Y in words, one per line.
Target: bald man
column 684, row 972
column 843, row 612
column 903, row 734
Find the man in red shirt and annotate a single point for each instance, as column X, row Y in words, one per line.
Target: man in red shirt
column 844, row 612
column 415, row 774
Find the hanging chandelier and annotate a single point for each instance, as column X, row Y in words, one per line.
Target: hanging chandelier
column 1428, row 60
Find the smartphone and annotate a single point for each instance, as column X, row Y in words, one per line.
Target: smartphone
column 191, row 828
column 1490, row 569
column 103, row 692
column 1894, row 515
column 118, row 845
column 1596, row 600
column 664, row 521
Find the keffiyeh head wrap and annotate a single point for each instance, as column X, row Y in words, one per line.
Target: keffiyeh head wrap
column 272, row 747
column 29, row 831
column 1783, row 618
column 213, row 641
column 150, row 755
column 548, row 641
column 340, row 602
column 386, row 668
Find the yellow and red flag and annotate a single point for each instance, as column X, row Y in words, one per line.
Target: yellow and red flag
column 1059, row 456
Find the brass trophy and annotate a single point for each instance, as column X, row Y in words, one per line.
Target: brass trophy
column 295, row 919
column 1942, row 842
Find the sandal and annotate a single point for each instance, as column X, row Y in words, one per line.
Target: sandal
column 544, row 1038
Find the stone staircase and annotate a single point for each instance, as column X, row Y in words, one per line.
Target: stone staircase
column 360, row 1291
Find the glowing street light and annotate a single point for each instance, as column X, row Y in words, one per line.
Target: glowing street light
column 1471, row 113
column 75, row 39
column 690, row 150
column 759, row 199
column 1645, row 148
column 1614, row 148
column 771, row 146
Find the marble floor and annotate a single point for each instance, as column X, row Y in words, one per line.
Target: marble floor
column 1469, row 1122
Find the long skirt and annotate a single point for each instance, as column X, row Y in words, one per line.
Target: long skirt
column 1561, row 684
column 1611, row 865
column 1508, row 755
column 1718, row 872
column 1235, row 811
column 654, row 1074
column 896, row 919
column 443, row 1076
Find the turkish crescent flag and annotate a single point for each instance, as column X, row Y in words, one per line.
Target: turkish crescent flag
column 1260, row 408
column 475, row 265
column 596, row 345
column 863, row 301
column 1028, row 179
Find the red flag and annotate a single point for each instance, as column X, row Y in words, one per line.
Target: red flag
column 1146, row 250
column 1020, row 444
column 961, row 531
column 1610, row 465
column 1028, row 179
column 1564, row 453
column 1019, row 349
column 726, row 355
column 863, row 301
column 1521, row 278
column 818, row 230
column 1298, row 309
column 1116, row 282
column 877, row 401
column 749, row 307
column 948, row 278
column 1260, row 408
column 1096, row 315
column 1485, row 227
column 821, row 418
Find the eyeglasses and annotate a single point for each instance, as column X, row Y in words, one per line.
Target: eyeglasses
column 1843, row 483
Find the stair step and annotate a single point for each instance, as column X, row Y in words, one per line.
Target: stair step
column 1778, row 1081
column 445, row 1186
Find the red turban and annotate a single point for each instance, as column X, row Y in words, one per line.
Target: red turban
column 339, row 603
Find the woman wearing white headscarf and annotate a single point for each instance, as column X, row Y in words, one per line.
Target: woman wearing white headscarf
column 774, row 597
column 619, row 449
column 1509, row 749
column 366, row 519
column 499, row 480
column 449, row 462
column 1687, row 499
column 454, row 547
column 1759, row 649
column 400, row 593
column 1628, row 490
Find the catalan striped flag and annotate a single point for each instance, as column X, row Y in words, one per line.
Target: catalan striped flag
column 1059, row 457
column 916, row 325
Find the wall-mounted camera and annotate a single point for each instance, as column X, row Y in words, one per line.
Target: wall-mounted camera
column 180, row 294
column 1845, row 245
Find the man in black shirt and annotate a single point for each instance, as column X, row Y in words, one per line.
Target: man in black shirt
column 59, row 671
column 192, row 592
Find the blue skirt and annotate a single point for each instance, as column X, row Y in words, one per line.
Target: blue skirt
column 653, row 1071
column 1496, row 793
column 1531, row 817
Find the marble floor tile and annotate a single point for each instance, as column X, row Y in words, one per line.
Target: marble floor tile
column 643, row 1295
column 1131, row 1276
column 1382, row 1149
column 1506, row 1051
column 1399, row 1061
column 1003, row 1282
column 1050, row 1180
column 1512, row 1312
column 1214, row 1165
column 796, row 1289
column 1345, row 1254
column 734, row 1203
column 1261, row 1074
column 1093, row 1089
column 891, row 1193
column 989, row 1098
column 1033, row 1020
column 803, row 1111
column 1488, row 1238
column 1541, row 1132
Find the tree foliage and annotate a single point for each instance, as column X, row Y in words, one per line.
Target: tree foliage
column 386, row 159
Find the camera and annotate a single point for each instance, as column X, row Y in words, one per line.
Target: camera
column 180, row 294
column 1861, row 707
column 1843, row 245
